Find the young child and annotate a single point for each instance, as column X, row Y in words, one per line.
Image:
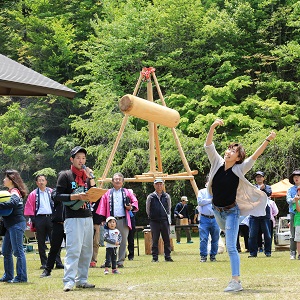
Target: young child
column 296, row 207
column 113, row 238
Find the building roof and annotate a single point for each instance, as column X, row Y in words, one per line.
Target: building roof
column 18, row 80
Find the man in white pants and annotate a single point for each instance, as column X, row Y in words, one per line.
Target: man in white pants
column 71, row 190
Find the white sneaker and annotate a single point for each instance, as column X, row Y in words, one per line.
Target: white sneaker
column 234, row 286
column 68, row 287
column 293, row 255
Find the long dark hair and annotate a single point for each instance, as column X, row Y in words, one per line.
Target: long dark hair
column 17, row 181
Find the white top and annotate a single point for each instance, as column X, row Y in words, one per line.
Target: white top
column 45, row 207
column 250, row 200
column 119, row 210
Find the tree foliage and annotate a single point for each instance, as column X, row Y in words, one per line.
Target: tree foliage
column 238, row 60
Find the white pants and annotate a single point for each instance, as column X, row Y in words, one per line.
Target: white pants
column 79, row 249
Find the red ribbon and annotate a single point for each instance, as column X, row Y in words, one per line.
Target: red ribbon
column 146, row 72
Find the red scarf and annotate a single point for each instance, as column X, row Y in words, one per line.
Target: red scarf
column 80, row 176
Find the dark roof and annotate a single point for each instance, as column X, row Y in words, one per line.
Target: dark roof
column 18, row 80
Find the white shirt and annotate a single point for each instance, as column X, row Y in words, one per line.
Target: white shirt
column 119, row 209
column 45, row 207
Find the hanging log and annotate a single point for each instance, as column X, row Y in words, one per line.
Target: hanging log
column 149, row 111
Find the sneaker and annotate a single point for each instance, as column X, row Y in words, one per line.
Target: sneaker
column 16, row 281
column 189, row 242
column 293, row 255
column 106, row 272
column 155, row 260
column 103, row 266
column 234, row 286
column 169, row 259
column 212, row 258
column 45, row 273
column 92, row 264
column 252, row 256
column 120, row 265
column 178, row 242
column 115, row 271
column 85, row 286
column 68, row 287
column 203, row 259
column 3, row 279
column 59, row 266
column 268, row 254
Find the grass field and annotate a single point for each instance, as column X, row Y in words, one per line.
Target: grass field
column 186, row 278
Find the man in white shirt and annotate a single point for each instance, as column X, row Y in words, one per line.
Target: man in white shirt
column 39, row 207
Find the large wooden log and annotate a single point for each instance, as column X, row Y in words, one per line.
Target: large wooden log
column 149, row 111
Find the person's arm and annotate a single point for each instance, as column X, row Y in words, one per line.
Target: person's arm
column 259, row 151
column 202, row 198
column 210, row 135
column 148, row 201
column 290, row 196
column 297, row 206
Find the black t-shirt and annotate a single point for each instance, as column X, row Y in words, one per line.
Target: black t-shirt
column 224, row 187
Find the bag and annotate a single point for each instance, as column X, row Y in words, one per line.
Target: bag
column 6, row 212
column 184, row 221
column 2, row 227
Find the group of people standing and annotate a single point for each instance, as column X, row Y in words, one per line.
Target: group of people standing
column 227, row 196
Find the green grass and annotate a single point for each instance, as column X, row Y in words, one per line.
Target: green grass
column 262, row 278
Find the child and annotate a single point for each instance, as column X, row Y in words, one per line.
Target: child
column 113, row 238
column 296, row 207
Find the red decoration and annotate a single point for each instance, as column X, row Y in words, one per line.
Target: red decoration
column 146, row 72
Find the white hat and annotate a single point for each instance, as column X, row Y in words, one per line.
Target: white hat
column 110, row 218
column 184, row 198
column 157, row 180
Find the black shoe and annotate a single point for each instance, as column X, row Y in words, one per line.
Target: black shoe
column 203, row 259
column 59, row 266
column 252, row 256
column 155, row 260
column 120, row 265
column 4, row 279
column 45, row 273
column 169, row 259
column 213, row 258
column 268, row 254
column 103, row 266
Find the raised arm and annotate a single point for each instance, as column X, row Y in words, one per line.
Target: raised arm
column 259, row 151
column 210, row 135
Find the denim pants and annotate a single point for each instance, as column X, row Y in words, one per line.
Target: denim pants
column 229, row 221
column 208, row 226
column 13, row 245
column 255, row 223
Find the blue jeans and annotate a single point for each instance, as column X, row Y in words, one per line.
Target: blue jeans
column 229, row 221
column 208, row 226
column 255, row 223
column 13, row 245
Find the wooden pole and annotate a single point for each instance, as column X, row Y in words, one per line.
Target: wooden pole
column 184, row 161
column 113, row 152
column 151, row 131
column 157, row 147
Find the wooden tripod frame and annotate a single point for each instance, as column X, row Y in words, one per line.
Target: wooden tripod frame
column 154, row 147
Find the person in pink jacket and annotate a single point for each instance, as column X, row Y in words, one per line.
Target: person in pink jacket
column 117, row 202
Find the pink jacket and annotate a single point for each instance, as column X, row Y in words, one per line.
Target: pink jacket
column 104, row 205
column 29, row 209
